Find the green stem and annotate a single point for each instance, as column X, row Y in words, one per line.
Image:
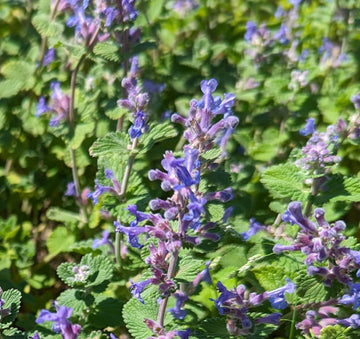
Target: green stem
column 292, row 328
column 123, row 189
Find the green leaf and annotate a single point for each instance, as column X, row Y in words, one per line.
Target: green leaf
column 45, row 26
column 81, row 131
column 216, row 212
column 100, row 270
column 66, row 274
column 334, row 332
column 106, row 312
column 13, row 333
column 212, row 328
column 189, row 268
column 157, row 133
column 59, row 241
column 285, row 181
column 107, row 50
column 12, row 299
column 310, row 289
column 154, row 10
column 212, row 154
column 112, row 143
column 58, row 214
column 9, row 88
column 78, row 300
column 134, row 313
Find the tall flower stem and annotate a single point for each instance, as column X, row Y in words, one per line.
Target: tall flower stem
column 170, row 275
column 71, row 119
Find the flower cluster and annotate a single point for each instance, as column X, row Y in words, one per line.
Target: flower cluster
column 319, row 152
column 331, row 54
column 321, row 243
column 235, row 304
column 87, row 20
column 135, row 102
column 160, row 332
column 200, row 132
column 315, row 321
column 61, row 324
column 115, row 189
column 59, row 105
column 182, row 176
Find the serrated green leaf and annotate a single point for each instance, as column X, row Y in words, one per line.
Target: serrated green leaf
column 13, row 333
column 78, row 300
column 310, row 288
column 212, row 328
column 66, row 274
column 116, row 113
column 189, row 268
column 46, row 27
column 212, row 154
column 216, row 212
column 156, row 133
column 106, row 312
column 12, row 299
column 285, row 181
column 9, row 88
column 334, row 332
column 134, row 313
column 100, row 270
column 112, row 143
column 107, row 50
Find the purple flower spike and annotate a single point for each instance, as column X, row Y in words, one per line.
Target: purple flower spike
column 49, row 57
column 295, row 216
column 277, row 298
column 353, row 298
column 183, row 334
column 224, row 296
column 103, row 241
column 137, row 288
column 132, row 233
column 255, row 227
column 309, row 127
column 251, row 30
column 61, row 323
column 70, row 190
column 273, row 318
column 176, row 311
column 353, row 321
column 41, row 107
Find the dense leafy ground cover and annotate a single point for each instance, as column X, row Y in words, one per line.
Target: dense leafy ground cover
column 179, row 169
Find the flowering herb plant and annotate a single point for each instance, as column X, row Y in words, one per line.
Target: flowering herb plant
column 179, row 169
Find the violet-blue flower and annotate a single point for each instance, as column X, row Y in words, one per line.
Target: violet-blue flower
column 277, row 297
column 137, row 288
column 61, row 324
column 132, row 233
column 309, row 127
column 176, row 311
column 255, row 227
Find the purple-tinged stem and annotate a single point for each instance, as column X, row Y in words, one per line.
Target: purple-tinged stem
column 170, row 275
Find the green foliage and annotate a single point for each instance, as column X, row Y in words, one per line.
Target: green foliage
column 285, row 181
column 12, row 299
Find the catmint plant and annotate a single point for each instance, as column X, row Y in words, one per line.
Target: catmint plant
column 182, row 221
